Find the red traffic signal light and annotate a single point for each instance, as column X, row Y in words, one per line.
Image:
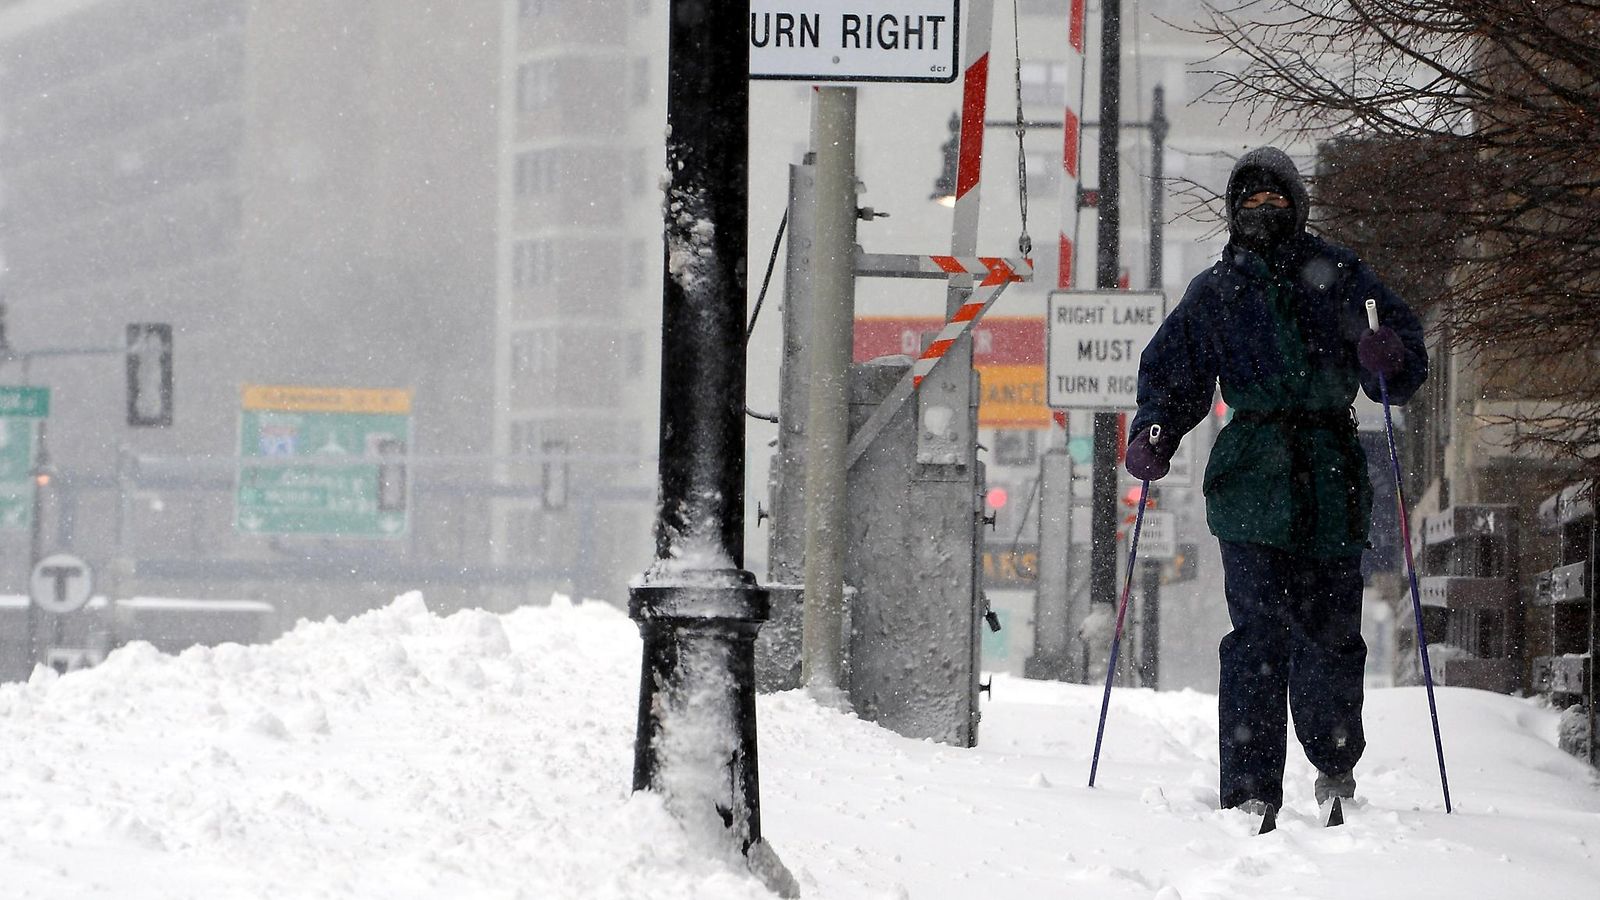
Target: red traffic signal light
column 996, row 497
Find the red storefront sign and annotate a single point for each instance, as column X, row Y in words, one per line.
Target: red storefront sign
column 1007, row 351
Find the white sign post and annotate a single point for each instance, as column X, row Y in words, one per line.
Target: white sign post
column 855, row 40
column 1095, row 338
column 60, row 583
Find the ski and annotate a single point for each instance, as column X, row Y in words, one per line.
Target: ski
column 1269, row 820
column 1332, row 812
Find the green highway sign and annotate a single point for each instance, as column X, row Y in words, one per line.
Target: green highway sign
column 17, row 442
column 26, row 402
column 326, row 462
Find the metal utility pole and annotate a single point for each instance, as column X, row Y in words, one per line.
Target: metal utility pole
column 828, row 422
column 787, row 538
column 1150, row 624
column 1056, row 652
column 1158, row 175
column 697, row 608
column 1150, row 601
column 1103, row 511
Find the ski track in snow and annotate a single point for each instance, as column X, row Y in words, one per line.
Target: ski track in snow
column 404, row 754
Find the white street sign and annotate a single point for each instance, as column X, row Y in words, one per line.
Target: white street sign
column 1158, row 537
column 1095, row 338
column 60, row 583
column 855, row 40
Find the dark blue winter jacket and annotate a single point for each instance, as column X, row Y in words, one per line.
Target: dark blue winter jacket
column 1287, row 471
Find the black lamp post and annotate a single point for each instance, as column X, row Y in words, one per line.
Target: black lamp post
column 697, row 608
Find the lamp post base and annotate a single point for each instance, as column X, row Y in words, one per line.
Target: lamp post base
column 696, row 740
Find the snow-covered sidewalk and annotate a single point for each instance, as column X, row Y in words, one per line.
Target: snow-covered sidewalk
column 403, row 754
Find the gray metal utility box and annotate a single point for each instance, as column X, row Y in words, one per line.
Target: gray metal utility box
column 912, row 560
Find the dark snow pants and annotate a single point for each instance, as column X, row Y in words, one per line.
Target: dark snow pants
column 1296, row 637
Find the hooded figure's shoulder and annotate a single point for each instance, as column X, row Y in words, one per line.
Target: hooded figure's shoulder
column 1206, row 288
column 1320, row 246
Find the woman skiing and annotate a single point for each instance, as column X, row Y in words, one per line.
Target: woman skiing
column 1280, row 322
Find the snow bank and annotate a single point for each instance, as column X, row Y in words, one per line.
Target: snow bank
column 396, row 755
column 403, row 754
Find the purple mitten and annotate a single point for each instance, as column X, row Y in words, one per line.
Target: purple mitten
column 1381, row 352
column 1146, row 462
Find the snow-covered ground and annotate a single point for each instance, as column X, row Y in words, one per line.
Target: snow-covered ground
column 403, row 754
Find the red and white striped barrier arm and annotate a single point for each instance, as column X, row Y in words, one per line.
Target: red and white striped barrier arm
column 1071, row 137
column 974, row 100
column 968, row 305
column 998, row 274
column 987, row 269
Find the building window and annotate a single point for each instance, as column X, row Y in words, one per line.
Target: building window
column 1044, row 83
column 536, row 173
column 1042, row 170
column 522, row 264
column 534, row 82
column 525, row 173
column 521, row 360
column 533, row 353
column 532, row 264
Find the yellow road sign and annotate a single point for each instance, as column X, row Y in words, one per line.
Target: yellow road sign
column 293, row 398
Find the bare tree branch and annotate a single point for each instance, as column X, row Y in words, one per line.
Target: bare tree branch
column 1461, row 147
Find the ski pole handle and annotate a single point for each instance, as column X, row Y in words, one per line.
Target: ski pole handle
column 1372, row 313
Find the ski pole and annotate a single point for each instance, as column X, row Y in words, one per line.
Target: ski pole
column 1411, row 565
column 1122, row 612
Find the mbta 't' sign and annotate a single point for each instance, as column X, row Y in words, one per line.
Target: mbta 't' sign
column 60, row 583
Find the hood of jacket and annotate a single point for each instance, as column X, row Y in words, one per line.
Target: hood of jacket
column 1282, row 168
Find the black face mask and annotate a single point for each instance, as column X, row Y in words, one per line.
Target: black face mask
column 1264, row 228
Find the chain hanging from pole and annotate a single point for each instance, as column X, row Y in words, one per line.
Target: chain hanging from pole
column 1024, row 242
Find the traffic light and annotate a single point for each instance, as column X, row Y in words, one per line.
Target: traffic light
column 391, row 474
column 553, row 488
column 1130, row 498
column 1183, row 566
column 149, row 375
column 997, row 497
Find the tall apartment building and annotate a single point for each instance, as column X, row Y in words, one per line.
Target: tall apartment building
column 454, row 199
column 578, row 311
